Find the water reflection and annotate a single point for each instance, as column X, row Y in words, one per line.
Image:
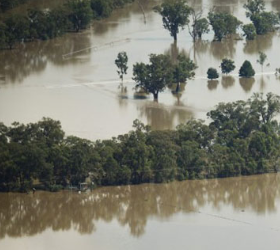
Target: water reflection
column 227, row 82
column 261, row 43
column 33, row 57
column 212, row 84
column 161, row 117
column 246, row 83
column 26, row 215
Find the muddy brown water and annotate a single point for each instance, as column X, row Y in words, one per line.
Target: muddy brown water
column 73, row 78
column 233, row 213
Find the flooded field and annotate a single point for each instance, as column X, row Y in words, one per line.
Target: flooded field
column 233, row 213
column 74, row 79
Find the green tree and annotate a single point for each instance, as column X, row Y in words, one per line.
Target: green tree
column 80, row 13
column 175, row 15
column 198, row 26
column 101, row 8
column 246, row 70
column 121, row 63
column 2, row 35
column 212, row 74
column 254, row 7
column 249, row 31
column 155, row 76
column 265, row 22
column 262, row 58
column 223, row 24
column 183, row 70
column 17, row 29
column 227, row 66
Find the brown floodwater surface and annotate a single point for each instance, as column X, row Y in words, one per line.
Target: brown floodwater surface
column 73, row 78
column 233, row 213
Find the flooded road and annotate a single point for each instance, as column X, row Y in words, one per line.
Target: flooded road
column 233, row 213
column 74, row 79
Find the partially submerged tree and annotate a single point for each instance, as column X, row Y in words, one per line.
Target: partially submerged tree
column 121, row 63
column 212, row 74
column 227, row 66
column 198, row 25
column 223, row 24
column 263, row 21
column 249, row 31
column 80, row 13
column 246, row 70
column 175, row 15
column 155, row 76
column 183, row 70
column 262, row 58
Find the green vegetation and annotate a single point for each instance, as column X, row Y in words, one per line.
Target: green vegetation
column 223, row 24
column 227, row 66
column 121, row 63
column 262, row 59
column 160, row 72
column 246, row 70
column 10, row 4
column 199, row 25
column 212, row 74
column 175, row 15
column 263, row 21
column 74, row 15
column 241, row 139
column 249, row 31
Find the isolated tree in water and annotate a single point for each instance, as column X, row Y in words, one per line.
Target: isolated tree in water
column 212, row 74
column 246, row 70
column 121, row 63
column 227, row 66
column 175, row 15
column 155, row 76
column 262, row 59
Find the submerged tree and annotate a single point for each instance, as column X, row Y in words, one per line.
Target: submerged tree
column 121, row 63
column 199, row 25
column 223, row 24
column 212, row 74
column 155, row 76
column 183, row 70
column 262, row 58
column 246, row 70
column 227, row 66
column 175, row 15
column 249, row 31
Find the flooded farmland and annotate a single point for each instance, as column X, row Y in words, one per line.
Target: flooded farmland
column 73, row 78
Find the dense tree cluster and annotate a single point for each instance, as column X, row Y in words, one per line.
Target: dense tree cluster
column 10, row 4
column 241, row 139
column 155, row 76
column 262, row 20
column 74, row 15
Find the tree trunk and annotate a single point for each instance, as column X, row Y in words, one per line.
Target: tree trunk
column 155, row 96
column 175, row 36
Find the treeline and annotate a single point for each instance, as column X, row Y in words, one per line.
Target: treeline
column 241, row 139
column 74, row 15
column 10, row 4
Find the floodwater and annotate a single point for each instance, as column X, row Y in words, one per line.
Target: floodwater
column 233, row 213
column 74, row 79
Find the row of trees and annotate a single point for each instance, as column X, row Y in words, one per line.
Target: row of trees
column 159, row 73
column 177, row 15
column 241, row 139
column 10, row 4
column 74, row 15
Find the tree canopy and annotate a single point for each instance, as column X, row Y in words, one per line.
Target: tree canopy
column 175, row 15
